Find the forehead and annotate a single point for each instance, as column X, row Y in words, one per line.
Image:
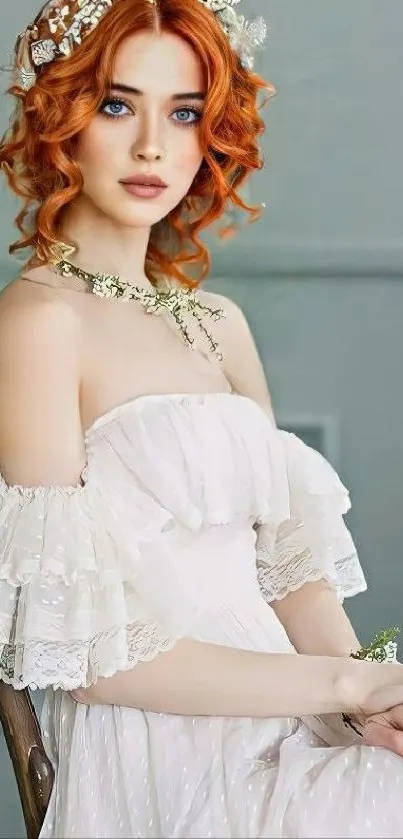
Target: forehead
column 161, row 64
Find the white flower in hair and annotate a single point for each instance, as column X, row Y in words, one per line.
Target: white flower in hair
column 58, row 19
column 219, row 5
column 244, row 36
column 43, row 52
column 27, row 78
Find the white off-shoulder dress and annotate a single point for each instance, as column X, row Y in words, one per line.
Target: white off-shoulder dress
column 193, row 515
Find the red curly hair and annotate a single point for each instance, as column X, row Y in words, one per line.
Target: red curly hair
column 37, row 150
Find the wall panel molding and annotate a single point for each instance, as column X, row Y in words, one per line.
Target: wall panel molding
column 314, row 259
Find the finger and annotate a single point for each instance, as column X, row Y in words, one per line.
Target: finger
column 383, row 737
column 395, row 716
column 391, row 719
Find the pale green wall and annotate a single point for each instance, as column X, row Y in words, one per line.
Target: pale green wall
column 320, row 276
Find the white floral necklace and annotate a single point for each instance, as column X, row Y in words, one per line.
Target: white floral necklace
column 180, row 303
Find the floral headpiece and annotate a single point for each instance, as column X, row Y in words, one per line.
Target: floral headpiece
column 62, row 25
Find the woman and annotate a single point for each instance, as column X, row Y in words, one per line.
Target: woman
column 166, row 550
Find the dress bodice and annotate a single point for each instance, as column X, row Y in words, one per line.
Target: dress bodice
column 204, row 457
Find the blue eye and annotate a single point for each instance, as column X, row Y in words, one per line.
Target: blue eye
column 184, row 112
column 115, row 105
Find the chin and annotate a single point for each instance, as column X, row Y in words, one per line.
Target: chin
column 138, row 212
column 137, row 217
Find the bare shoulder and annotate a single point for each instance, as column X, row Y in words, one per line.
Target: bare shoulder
column 35, row 317
column 233, row 327
column 39, row 388
column 23, row 293
column 242, row 363
column 214, row 299
column 234, row 318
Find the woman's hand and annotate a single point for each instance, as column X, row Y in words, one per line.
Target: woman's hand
column 82, row 695
column 385, row 729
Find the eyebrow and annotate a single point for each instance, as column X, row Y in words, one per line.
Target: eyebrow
column 125, row 88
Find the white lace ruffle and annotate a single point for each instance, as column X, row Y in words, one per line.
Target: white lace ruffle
column 75, row 602
column 314, row 542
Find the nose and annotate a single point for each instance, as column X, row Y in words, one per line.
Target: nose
column 149, row 154
column 149, row 145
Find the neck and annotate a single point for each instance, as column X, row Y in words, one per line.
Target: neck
column 104, row 246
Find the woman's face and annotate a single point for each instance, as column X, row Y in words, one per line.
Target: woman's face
column 149, row 129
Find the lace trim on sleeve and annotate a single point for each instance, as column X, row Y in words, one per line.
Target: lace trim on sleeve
column 37, row 664
column 298, row 555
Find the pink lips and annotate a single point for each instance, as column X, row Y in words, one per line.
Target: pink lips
column 143, row 190
column 144, row 186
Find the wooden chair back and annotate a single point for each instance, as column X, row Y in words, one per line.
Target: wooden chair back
column 32, row 768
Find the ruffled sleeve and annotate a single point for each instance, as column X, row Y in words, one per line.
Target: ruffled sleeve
column 79, row 597
column 312, row 542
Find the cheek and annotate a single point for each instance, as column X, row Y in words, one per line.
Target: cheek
column 92, row 148
column 188, row 156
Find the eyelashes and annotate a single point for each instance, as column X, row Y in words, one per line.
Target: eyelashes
column 183, row 109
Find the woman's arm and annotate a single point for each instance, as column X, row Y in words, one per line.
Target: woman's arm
column 316, row 622
column 199, row 679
